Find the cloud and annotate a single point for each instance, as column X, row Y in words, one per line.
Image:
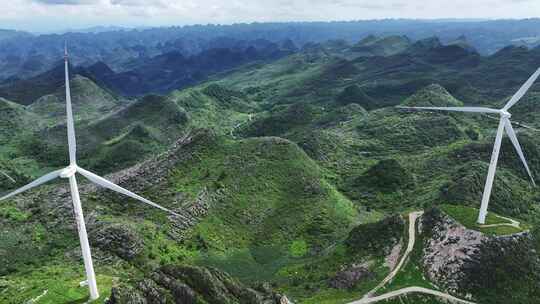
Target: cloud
column 67, row 2
column 43, row 15
column 147, row 3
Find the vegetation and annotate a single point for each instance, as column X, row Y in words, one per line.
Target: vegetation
column 468, row 216
column 285, row 173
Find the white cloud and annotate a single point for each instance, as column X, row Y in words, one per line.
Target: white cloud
column 67, row 2
column 45, row 14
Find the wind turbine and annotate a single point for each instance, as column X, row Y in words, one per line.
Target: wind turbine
column 504, row 124
column 69, row 173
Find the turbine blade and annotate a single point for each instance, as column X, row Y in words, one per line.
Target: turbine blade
column 69, row 112
column 521, row 92
column 109, row 185
column 7, row 176
column 526, row 126
column 515, row 142
column 45, row 178
column 455, row 109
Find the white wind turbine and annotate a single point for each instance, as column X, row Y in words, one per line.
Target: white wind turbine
column 504, row 124
column 69, row 173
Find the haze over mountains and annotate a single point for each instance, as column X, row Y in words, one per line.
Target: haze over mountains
column 285, row 157
column 23, row 54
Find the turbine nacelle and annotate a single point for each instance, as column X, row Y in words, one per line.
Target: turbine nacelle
column 68, row 171
column 505, row 114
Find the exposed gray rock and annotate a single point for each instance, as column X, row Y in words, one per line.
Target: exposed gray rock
column 350, row 276
column 118, row 239
column 191, row 285
column 488, row 269
column 448, row 249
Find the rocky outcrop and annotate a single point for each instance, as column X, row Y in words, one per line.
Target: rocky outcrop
column 489, row 269
column 448, row 249
column 191, row 213
column 192, row 285
column 117, row 239
column 350, row 276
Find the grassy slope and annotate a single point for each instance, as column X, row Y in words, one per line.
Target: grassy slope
column 467, row 217
column 88, row 99
column 275, row 198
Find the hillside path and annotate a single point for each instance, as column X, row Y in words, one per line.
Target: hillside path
column 408, row 290
column 410, row 246
column 250, row 118
column 513, row 223
column 368, row 298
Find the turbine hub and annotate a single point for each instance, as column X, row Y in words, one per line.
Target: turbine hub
column 68, row 172
column 505, row 114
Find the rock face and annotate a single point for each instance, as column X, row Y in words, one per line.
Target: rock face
column 448, row 249
column 489, row 269
column 118, row 239
column 192, row 285
column 350, row 276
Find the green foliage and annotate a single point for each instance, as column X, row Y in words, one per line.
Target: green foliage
column 466, row 185
column 505, row 271
column 354, row 94
column 389, row 231
column 51, row 154
column 432, row 96
column 281, row 209
column 386, row 176
column 89, row 102
column 222, row 94
column 284, row 118
column 117, row 156
column 416, row 299
column 56, row 283
column 13, row 213
column 381, row 46
column 298, row 248
column 468, row 217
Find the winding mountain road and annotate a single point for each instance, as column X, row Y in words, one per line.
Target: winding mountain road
column 410, row 246
column 369, row 298
column 409, row 290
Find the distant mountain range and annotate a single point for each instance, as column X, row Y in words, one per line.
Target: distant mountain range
column 24, row 55
column 160, row 74
column 389, row 65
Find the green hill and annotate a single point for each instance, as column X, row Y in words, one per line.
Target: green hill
column 381, row 46
column 89, row 102
column 432, row 96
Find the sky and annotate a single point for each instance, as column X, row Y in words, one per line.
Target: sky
column 59, row 15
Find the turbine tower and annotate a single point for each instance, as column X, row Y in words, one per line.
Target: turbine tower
column 504, row 125
column 69, row 173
